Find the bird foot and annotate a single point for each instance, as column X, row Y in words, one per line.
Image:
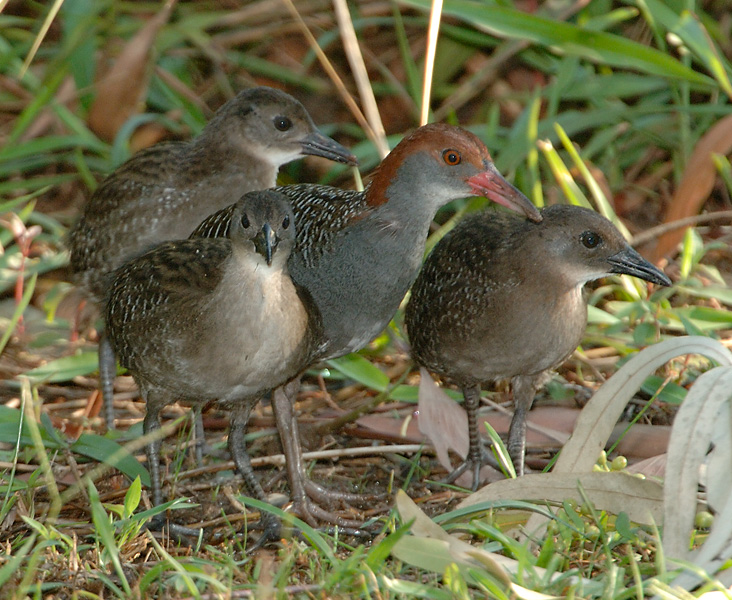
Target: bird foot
column 468, row 464
column 313, row 514
column 333, row 497
column 183, row 535
column 271, row 532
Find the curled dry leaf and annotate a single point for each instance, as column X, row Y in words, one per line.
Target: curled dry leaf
column 431, row 547
column 121, row 90
column 696, row 183
column 703, row 417
column 597, row 420
column 599, row 416
column 640, row 499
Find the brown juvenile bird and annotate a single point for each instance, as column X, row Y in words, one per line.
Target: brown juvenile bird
column 162, row 193
column 501, row 297
column 215, row 319
column 357, row 253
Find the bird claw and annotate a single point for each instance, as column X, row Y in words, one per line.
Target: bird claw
column 271, row 532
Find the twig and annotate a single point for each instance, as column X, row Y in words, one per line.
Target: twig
column 351, row 416
column 332, row 73
column 659, row 230
column 279, row 459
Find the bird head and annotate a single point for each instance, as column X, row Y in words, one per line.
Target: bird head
column 440, row 163
column 585, row 246
column 265, row 219
column 277, row 128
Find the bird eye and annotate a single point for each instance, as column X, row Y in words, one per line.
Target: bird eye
column 286, row 222
column 451, row 157
column 282, row 123
column 590, row 239
column 245, row 221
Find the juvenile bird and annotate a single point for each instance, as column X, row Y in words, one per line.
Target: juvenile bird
column 162, row 193
column 215, row 319
column 501, row 297
column 357, row 253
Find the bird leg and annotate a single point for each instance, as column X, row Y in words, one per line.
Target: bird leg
column 150, row 425
column 301, row 488
column 198, row 433
column 107, row 373
column 237, row 447
column 523, row 397
column 474, row 459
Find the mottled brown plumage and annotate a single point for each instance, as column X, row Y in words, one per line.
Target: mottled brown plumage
column 502, row 298
column 215, row 319
column 164, row 192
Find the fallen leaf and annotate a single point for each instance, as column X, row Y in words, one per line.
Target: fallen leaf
column 122, row 89
column 696, row 183
column 431, row 547
column 599, row 416
column 655, row 466
column 640, row 499
column 442, row 420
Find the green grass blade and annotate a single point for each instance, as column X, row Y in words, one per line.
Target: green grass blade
column 105, row 531
column 693, row 34
column 596, row 46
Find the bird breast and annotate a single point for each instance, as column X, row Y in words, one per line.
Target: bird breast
column 257, row 330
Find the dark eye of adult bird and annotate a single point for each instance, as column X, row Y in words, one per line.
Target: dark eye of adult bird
column 245, row 221
column 451, row 157
column 590, row 239
column 282, row 123
column 286, row 222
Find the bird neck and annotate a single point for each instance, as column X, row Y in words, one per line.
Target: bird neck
column 401, row 193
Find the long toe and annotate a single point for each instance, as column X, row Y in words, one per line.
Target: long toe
column 314, row 514
column 186, row 536
column 468, row 465
column 271, row 532
column 334, row 497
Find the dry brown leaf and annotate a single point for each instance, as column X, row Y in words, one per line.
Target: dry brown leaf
column 655, row 466
column 640, row 499
column 442, row 420
column 121, row 90
column 696, row 183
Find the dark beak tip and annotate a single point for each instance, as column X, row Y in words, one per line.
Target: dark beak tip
column 317, row 144
column 631, row 263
